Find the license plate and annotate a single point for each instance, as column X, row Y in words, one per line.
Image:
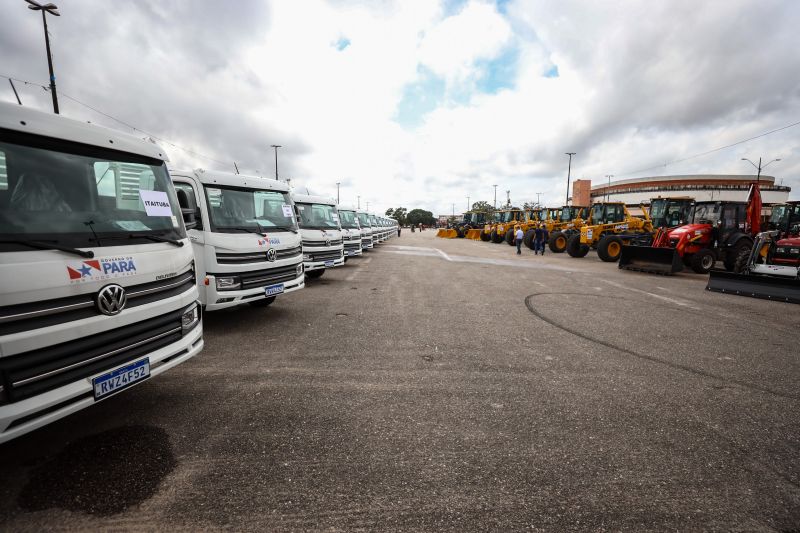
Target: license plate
column 351, row 252
column 328, row 263
column 273, row 289
column 121, row 378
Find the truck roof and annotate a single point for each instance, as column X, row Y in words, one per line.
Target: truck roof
column 231, row 179
column 28, row 120
column 345, row 207
column 312, row 199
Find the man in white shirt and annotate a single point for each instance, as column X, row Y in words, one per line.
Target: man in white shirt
column 518, row 236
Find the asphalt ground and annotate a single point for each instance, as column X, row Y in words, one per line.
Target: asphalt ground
column 445, row 385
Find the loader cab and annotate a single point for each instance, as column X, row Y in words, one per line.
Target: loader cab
column 670, row 212
column 570, row 213
column 608, row 213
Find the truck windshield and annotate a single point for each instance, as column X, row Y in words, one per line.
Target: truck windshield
column 363, row 219
column 348, row 219
column 318, row 216
column 233, row 209
column 79, row 196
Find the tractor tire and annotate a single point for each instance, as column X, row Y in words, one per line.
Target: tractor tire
column 497, row 239
column 485, row 237
column 460, row 230
column 527, row 240
column 575, row 248
column 703, row 261
column 557, row 242
column 266, row 302
column 741, row 253
column 314, row 274
column 510, row 238
column 609, row 248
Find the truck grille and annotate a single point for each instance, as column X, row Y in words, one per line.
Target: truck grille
column 326, row 256
column 254, row 257
column 35, row 372
column 262, row 278
column 334, row 242
column 30, row 316
column 352, row 246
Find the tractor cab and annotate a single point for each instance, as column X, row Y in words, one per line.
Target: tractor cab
column 724, row 218
column 784, row 217
column 608, row 213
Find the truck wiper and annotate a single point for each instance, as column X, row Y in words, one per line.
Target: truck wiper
column 156, row 238
column 255, row 231
column 287, row 228
column 46, row 245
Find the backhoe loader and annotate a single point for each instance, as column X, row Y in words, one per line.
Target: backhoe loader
column 611, row 225
column 714, row 231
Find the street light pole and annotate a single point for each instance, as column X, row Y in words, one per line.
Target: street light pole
column 337, row 191
column 569, row 169
column 276, row 146
column 359, row 202
column 608, row 191
column 538, row 202
column 759, row 166
column 454, row 209
column 367, row 206
column 495, row 196
column 47, row 8
column 467, row 203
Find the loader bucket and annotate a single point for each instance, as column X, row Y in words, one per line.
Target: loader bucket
column 474, row 234
column 447, row 233
column 777, row 288
column 649, row 259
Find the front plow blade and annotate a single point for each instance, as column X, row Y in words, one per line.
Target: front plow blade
column 648, row 259
column 474, row 234
column 447, row 233
column 777, row 288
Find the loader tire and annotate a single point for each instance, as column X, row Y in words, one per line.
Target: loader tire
column 557, row 242
column 527, row 240
column 741, row 255
column 460, row 230
column 575, row 248
column 497, row 239
column 703, row 261
column 485, row 237
column 509, row 237
column 609, row 248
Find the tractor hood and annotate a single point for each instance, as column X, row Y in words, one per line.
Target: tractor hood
column 691, row 229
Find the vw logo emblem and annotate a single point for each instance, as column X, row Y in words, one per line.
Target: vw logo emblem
column 327, row 242
column 111, row 300
column 271, row 255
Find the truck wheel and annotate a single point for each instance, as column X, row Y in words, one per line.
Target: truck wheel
column 557, row 242
column 741, row 255
column 609, row 248
column 497, row 239
column 314, row 274
column 575, row 248
column 485, row 237
column 265, row 302
column 510, row 238
column 703, row 261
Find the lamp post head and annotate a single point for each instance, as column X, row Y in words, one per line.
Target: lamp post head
column 50, row 8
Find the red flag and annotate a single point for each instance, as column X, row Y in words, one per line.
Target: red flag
column 754, row 208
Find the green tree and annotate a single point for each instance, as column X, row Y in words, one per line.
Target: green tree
column 482, row 206
column 420, row 216
column 398, row 213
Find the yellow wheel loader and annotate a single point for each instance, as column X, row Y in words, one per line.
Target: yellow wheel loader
column 610, row 226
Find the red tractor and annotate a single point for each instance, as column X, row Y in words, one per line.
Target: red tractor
column 716, row 231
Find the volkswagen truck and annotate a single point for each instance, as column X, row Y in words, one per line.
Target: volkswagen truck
column 97, row 275
column 351, row 231
column 366, row 229
column 320, row 231
column 244, row 234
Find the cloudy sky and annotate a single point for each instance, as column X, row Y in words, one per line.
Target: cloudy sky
column 424, row 103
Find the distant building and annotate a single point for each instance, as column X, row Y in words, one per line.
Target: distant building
column 581, row 192
column 442, row 219
column 701, row 187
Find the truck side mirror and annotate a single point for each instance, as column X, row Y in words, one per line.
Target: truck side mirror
column 189, row 211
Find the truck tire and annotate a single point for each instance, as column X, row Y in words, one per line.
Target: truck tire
column 741, row 254
column 314, row 274
column 497, row 239
column 575, row 248
column 703, row 261
column 609, row 248
column 557, row 242
column 264, row 302
column 485, row 237
column 510, row 238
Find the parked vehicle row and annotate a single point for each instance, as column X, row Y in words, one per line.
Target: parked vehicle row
column 108, row 261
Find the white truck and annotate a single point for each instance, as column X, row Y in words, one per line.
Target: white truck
column 366, row 229
column 351, row 231
column 97, row 276
column 244, row 234
column 321, row 232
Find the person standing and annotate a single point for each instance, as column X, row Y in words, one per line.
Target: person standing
column 537, row 239
column 518, row 236
column 545, row 237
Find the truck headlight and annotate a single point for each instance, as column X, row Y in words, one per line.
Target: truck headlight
column 299, row 269
column 228, row 284
column 190, row 318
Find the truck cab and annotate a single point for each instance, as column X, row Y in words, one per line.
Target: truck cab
column 244, row 235
column 97, row 275
column 366, row 229
column 377, row 238
column 320, row 231
column 351, row 231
